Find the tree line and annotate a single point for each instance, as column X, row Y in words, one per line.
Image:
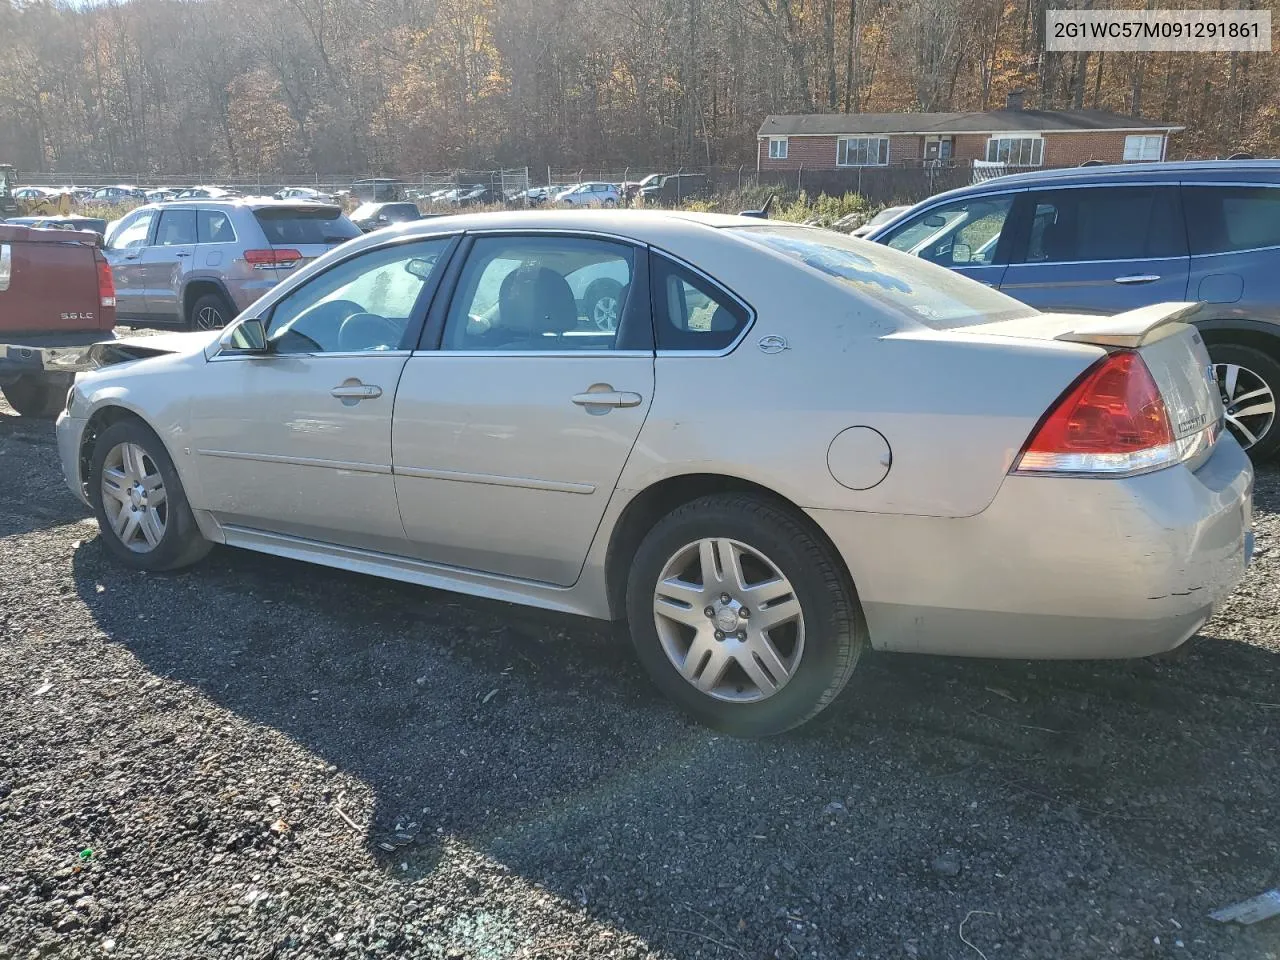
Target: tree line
column 241, row 87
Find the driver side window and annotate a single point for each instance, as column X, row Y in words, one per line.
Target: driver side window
column 134, row 232
column 964, row 233
column 361, row 305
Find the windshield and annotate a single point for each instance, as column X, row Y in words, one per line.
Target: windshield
column 312, row 224
column 931, row 295
column 884, row 216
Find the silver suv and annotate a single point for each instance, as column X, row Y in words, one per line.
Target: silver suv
column 198, row 263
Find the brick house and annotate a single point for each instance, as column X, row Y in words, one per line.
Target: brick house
column 1013, row 136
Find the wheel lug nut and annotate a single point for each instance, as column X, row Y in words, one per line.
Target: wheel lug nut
column 710, row 611
column 725, row 598
column 744, row 613
column 719, row 634
column 742, row 634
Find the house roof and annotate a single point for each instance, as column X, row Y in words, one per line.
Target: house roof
column 989, row 121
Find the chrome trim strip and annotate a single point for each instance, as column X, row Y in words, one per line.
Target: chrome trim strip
column 6, row 266
column 495, row 480
column 1235, row 253
column 532, row 353
column 347, row 355
column 349, row 465
column 1067, row 263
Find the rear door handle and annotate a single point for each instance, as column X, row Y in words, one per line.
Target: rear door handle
column 607, row 398
column 1138, row 278
column 356, row 391
column 181, row 254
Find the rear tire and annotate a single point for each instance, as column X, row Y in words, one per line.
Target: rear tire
column 209, row 312
column 147, row 523
column 789, row 588
column 38, row 397
column 1249, row 370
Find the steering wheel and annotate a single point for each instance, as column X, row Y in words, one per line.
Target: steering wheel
column 317, row 328
column 362, row 332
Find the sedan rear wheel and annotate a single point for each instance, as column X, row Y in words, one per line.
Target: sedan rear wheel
column 743, row 615
column 1248, row 381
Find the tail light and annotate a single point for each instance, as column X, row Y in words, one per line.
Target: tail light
column 1111, row 422
column 272, row 257
column 106, row 285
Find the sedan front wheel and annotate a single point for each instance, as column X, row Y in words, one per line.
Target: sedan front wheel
column 742, row 615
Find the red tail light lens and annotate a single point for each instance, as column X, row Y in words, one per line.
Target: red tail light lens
column 272, row 257
column 1112, row 422
column 106, row 285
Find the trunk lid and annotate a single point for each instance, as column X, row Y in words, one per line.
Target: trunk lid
column 1163, row 336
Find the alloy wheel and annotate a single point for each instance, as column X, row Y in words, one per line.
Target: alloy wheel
column 605, row 314
column 134, row 498
column 1250, row 405
column 210, row 318
column 729, row 620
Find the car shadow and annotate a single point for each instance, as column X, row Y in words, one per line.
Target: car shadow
column 27, row 503
column 535, row 739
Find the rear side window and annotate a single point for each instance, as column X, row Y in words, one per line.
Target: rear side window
column 1107, row 223
column 1225, row 219
column 177, row 227
column 287, row 226
column 214, row 226
column 690, row 312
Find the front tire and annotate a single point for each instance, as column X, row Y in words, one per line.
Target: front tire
column 1249, row 383
column 742, row 614
column 139, row 501
column 37, row 397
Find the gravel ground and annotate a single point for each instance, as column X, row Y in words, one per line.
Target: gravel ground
column 259, row 758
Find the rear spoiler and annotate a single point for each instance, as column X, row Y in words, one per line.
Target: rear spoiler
column 1133, row 328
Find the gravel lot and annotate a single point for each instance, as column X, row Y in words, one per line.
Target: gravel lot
column 258, row 758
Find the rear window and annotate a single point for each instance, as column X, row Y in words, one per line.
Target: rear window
column 292, row 225
column 928, row 294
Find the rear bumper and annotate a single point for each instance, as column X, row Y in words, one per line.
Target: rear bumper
column 48, row 353
column 1057, row 567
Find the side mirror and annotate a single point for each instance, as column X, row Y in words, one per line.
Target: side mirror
column 247, row 336
column 960, row 253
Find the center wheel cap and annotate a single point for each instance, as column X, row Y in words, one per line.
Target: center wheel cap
column 727, row 618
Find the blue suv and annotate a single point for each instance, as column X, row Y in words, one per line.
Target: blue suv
column 1102, row 239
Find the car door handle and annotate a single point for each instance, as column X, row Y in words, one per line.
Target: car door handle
column 607, row 398
column 131, row 256
column 356, row 391
column 181, row 253
column 1138, row 278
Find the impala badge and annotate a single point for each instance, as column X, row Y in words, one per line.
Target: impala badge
column 773, row 344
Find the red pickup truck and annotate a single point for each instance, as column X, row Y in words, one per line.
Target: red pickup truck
column 56, row 299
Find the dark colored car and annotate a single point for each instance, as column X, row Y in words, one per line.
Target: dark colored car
column 371, row 216
column 56, row 299
column 1106, row 239
column 675, row 187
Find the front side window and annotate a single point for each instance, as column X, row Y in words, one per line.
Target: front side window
column 1225, row 219
column 964, row 233
column 1016, row 151
column 924, row 293
column 545, row 294
column 361, row 305
column 1107, row 223
column 1143, row 147
column 177, row 228
column 777, row 148
column 862, row 151
column 133, row 232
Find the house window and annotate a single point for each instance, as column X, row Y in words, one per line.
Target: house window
column 862, row 151
column 1017, row 151
column 1143, row 148
column 777, row 148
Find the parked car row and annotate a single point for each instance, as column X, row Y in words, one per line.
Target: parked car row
column 905, row 468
